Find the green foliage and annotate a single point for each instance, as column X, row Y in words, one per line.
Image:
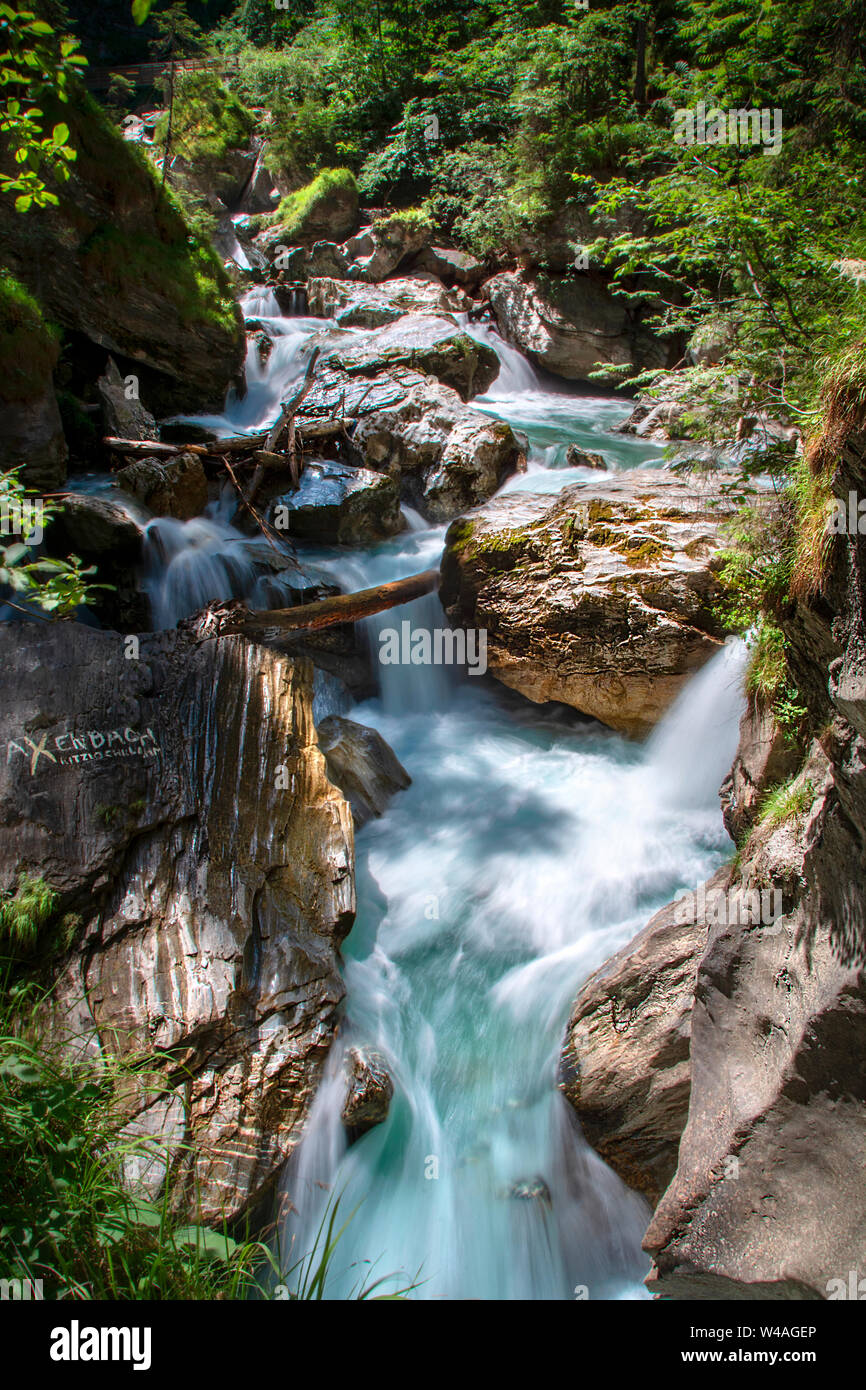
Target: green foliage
column 24, row 914
column 35, row 62
column 785, row 802
column 207, row 120
column 56, row 587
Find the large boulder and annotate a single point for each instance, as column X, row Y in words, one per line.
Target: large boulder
column 326, row 209
column 362, row 765
column 625, row 1061
column 180, row 808
column 426, row 343
column 177, row 488
column 339, row 505
column 114, row 260
column 378, row 250
column 369, row 1089
column 357, row 305
column 448, row 458
column 602, row 598
column 101, row 532
column 454, row 267
column 123, row 415
column 572, row 326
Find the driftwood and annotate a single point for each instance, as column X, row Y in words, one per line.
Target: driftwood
column 326, row 612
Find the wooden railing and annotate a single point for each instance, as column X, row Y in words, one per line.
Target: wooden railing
column 149, row 74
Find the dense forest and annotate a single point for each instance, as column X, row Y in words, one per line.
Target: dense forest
column 532, row 323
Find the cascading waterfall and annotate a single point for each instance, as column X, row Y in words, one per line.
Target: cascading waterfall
column 530, row 846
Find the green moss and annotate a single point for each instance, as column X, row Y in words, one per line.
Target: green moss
column 208, row 120
column 296, row 209
column 28, row 345
column 182, row 270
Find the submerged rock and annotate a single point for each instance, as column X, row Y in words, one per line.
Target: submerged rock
column 368, row 1093
column 195, row 833
column 601, row 598
column 339, row 505
column 362, row 765
column 571, row 326
column 575, row 457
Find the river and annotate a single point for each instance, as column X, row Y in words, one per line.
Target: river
column 530, row 846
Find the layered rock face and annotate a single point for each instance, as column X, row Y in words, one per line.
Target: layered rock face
column 425, row 343
column 767, row 1200
column 572, row 327
column 357, row 305
column 179, row 804
column 601, row 598
column 625, row 1062
column 113, row 262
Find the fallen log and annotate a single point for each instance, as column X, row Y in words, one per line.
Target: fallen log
column 235, row 444
column 326, row 612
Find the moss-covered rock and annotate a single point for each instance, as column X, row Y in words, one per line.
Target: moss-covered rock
column 31, row 433
column 116, row 261
column 324, row 210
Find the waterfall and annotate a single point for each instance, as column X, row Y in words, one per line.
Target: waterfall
column 530, row 846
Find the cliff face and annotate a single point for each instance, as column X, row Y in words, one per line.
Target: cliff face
column 114, row 261
column 180, row 805
column 768, row 1200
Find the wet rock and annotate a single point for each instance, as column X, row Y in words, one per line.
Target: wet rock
column 177, row 488
column 362, row 765
column 325, row 259
column 447, row 458
column 576, row 457
column 211, row 867
column 339, row 505
column 358, row 305
column 603, row 598
column 454, row 267
column 768, row 1199
column 530, row 1190
column 369, row 1091
column 625, row 1063
column 96, row 529
column 123, row 417
column 765, row 758
column 377, row 251
column 424, row 343
column 571, row 326
column 31, row 438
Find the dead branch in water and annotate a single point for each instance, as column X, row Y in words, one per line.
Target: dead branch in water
column 234, row 617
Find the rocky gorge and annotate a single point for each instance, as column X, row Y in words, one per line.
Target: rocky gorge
column 388, row 931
